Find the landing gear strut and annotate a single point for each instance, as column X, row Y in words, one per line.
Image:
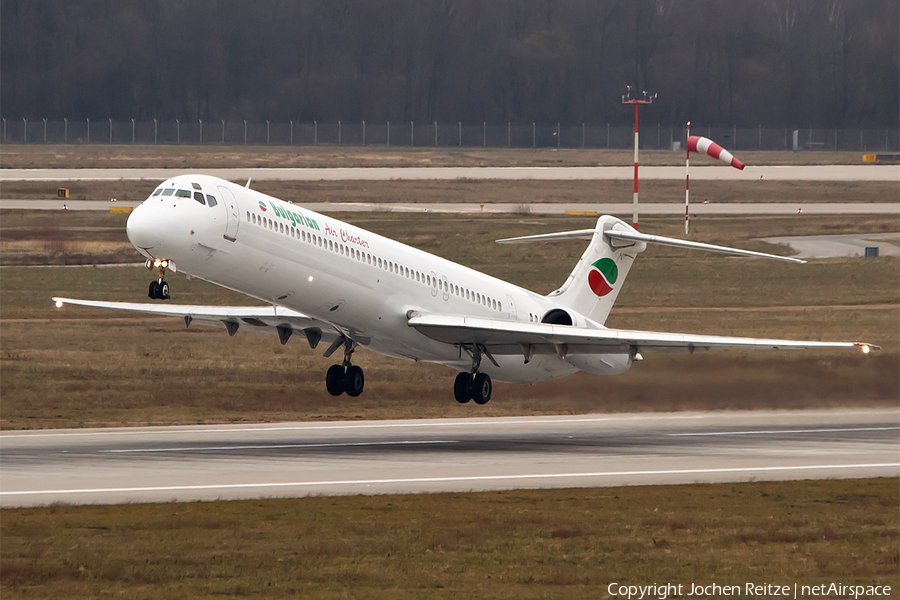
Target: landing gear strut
column 344, row 377
column 159, row 289
column 474, row 386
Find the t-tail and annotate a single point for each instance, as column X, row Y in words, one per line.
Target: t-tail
column 597, row 279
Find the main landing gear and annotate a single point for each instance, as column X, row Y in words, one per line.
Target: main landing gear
column 344, row 377
column 474, row 386
column 159, row 289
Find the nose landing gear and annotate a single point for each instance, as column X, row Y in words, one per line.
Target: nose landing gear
column 159, row 289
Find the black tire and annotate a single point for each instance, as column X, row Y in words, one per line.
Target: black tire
column 164, row 291
column 462, row 388
column 481, row 388
column 154, row 290
column 354, row 381
column 334, row 380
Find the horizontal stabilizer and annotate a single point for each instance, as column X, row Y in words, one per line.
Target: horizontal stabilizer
column 621, row 235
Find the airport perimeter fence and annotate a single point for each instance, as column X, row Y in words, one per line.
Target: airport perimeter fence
column 109, row 131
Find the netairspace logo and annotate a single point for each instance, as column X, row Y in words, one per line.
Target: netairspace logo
column 602, row 276
column 661, row 591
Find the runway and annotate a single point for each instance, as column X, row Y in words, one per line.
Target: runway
column 153, row 464
column 698, row 173
column 612, row 208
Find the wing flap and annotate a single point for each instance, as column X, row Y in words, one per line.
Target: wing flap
column 507, row 337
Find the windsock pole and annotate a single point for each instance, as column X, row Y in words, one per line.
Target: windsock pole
column 687, row 179
column 702, row 144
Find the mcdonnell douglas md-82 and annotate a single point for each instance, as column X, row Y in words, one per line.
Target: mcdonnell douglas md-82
column 343, row 287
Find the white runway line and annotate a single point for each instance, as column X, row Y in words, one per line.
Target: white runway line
column 449, row 479
column 280, row 446
column 775, row 431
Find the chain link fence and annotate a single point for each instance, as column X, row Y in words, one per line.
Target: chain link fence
column 109, row 131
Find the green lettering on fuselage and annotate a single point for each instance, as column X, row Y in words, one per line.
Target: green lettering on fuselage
column 294, row 218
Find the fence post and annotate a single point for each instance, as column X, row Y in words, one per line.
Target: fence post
column 364, row 133
column 785, row 138
column 533, row 135
column 558, row 136
column 245, row 132
column 835, row 139
column 484, row 134
column 88, row 131
column 388, row 133
column 177, row 131
column 45, row 131
column 267, row 132
column 412, row 134
column 460, row 135
column 734, row 136
column 339, row 133
column 885, row 139
column 862, row 144
column 132, row 131
column 759, row 142
column 201, row 131
column 508, row 134
column 110, row 131
column 607, row 135
column 315, row 133
column 4, row 130
column 658, row 139
column 582, row 136
column 25, row 133
column 223, row 131
column 65, row 130
column 292, row 132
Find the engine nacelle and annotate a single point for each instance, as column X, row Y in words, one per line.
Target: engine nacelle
column 566, row 316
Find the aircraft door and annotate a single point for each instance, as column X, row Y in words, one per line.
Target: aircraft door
column 446, row 288
column 232, row 214
column 512, row 307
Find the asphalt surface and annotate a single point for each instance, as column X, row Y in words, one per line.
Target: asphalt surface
column 150, row 464
column 621, row 208
column 698, row 173
column 829, row 246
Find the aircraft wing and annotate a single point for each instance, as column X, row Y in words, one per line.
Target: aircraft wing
column 507, row 337
column 261, row 319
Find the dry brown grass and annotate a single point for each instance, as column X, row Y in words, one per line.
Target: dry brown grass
column 569, row 543
column 73, row 156
column 81, row 367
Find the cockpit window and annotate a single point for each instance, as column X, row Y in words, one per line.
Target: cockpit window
column 183, row 194
column 211, row 199
column 168, row 192
column 196, row 186
column 157, row 192
column 199, row 198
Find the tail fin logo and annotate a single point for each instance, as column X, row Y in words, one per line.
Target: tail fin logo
column 602, row 276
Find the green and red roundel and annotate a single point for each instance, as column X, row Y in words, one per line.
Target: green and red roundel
column 602, row 276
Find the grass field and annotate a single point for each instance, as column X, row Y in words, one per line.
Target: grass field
column 83, row 367
column 569, row 543
column 73, row 156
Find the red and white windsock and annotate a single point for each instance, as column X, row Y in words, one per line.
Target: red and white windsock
column 695, row 143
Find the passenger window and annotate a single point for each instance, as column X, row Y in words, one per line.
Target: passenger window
column 199, row 198
column 168, row 192
column 211, row 200
column 183, row 194
column 157, row 192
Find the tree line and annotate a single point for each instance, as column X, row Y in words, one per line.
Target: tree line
column 775, row 63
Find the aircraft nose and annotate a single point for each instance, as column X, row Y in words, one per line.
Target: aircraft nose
column 146, row 227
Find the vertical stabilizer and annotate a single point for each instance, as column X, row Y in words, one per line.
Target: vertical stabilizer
column 594, row 284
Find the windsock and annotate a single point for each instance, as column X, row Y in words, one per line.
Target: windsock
column 695, row 143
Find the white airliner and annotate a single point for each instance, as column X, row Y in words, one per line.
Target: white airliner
column 345, row 287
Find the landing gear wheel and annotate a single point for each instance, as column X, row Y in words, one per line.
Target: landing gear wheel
column 154, row 290
column 481, row 388
column 334, row 380
column 354, row 381
column 462, row 388
column 163, row 289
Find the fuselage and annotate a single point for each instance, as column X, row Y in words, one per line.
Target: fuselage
column 362, row 283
